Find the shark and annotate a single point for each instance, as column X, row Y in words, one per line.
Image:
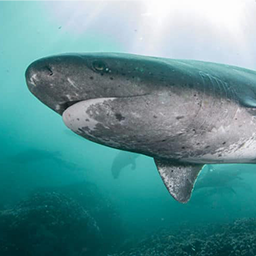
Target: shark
column 182, row 113
column 219, row 178
column 121, row 161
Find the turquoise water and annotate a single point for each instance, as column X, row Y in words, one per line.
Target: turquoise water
column 44, row 165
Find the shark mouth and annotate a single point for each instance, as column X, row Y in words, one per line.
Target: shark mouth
column 62, row 107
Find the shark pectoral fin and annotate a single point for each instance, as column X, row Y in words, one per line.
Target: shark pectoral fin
column 179, row 179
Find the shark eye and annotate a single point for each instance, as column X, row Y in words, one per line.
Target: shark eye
column 99, row 66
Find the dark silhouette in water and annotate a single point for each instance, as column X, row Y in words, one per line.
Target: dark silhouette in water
column 221, row 181
column 29, row 168
column 122, row 160
column 214, row 177
column 39, row 155
column 34, row 155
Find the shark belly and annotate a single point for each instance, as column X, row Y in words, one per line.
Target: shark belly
column 225, row 134
column 203, row 130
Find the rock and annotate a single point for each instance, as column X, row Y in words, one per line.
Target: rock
column 233, row 239
column 48, row 224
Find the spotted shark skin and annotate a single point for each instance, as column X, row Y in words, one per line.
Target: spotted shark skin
column 183, row 113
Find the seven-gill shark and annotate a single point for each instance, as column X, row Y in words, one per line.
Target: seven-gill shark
column 183, row 113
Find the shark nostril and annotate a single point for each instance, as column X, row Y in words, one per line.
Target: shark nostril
column 49, row 70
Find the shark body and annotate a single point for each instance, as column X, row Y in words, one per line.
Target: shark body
column 183, row 113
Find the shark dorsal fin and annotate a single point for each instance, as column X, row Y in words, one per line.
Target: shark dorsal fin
column 179, row 178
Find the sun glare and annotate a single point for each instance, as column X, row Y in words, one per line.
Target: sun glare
column 77, row 16
column 158, row 25
column 227, row 13
column 224, row 19
column 220, row 12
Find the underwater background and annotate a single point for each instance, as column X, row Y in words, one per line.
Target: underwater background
column 63, row 195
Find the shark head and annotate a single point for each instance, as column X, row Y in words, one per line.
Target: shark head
column 115, row 99
column 63, row 80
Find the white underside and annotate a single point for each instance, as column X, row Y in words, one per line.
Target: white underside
column 243, row 154
column 76, row 116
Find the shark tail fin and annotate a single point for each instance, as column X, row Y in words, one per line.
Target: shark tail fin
column 179, row 178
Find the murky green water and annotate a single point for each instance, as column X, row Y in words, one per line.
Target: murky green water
column 63, row 195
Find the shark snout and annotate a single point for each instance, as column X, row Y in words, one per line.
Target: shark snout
column 31, row 76
column 38, row 71
column 52, row 83
column 41, row 81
